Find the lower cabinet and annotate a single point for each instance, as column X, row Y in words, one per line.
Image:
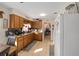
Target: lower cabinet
column 38, row 36
column 27, row 39
column 19, row 43
column 23, row 41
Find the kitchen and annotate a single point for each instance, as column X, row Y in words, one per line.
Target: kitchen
column 26, row 32
column 22, row 33
column 23, row 38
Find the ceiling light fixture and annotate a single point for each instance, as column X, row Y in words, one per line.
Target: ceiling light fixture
column 55, row 13
column 21, row 2
column 42, row 14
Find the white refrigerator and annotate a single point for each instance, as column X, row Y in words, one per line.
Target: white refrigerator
column 66, row 35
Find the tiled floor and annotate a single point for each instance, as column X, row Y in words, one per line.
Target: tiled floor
column 38, row 49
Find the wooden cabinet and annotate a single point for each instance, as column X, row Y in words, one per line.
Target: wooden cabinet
column 28, row 21
column 21, row 22
column 23, row 41
column 19, row 43
column 12, row 21
column 30, row 37
column 38, row 36
column 16, row 21
column 37, row 24
column 27, row 39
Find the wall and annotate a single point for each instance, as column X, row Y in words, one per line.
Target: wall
column 56, row 37
column 3, row 39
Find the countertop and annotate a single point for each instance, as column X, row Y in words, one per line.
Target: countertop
column 24, row 34
column 28, row 33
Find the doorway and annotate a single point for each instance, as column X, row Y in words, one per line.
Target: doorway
column 47, row 30
column 48, row 36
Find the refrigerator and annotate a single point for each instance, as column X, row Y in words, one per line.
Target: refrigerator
column 66, row 35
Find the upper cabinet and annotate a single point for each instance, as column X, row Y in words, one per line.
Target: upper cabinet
column 16, row 21
column 16, row 25
column 37, row 24
column 12, row 21
column 21, row 22
column 28, row 21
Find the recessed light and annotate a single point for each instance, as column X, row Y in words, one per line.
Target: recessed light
column 42, row 14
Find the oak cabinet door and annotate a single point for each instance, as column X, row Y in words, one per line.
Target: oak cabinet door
column 37, row 24
column 17, row 22
column 19, row 43
column 38, row 36
column 31, row 37
column 21, row 22
column 12, row 21
column 25, row 41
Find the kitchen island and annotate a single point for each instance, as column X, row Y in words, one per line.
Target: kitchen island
column 23, row 40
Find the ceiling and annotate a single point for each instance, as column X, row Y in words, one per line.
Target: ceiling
column 33, row 9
